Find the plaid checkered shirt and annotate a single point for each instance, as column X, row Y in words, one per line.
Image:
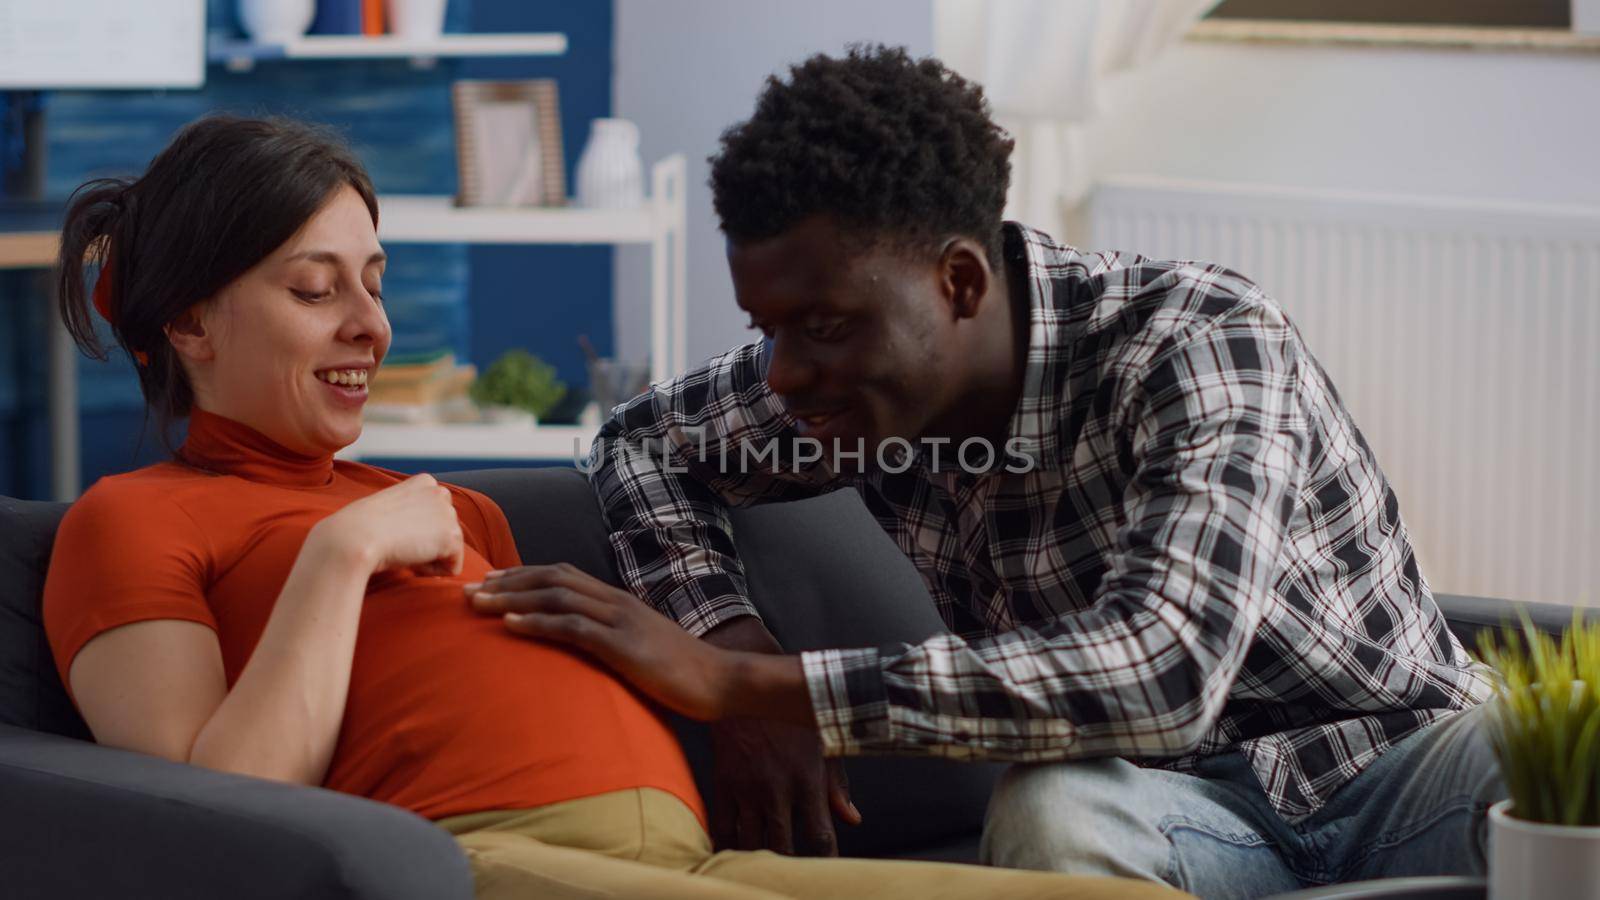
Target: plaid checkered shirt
column 1201, row 556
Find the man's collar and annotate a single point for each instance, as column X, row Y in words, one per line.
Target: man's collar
column 1034, row 432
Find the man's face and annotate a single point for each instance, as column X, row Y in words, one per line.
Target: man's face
column 861, row 339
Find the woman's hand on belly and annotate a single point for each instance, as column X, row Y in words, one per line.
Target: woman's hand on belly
column 412, row 524
column 562, row 604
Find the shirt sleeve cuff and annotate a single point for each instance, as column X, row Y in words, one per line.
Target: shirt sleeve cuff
column 702, row 619
column 848, row 698
column 705, row 602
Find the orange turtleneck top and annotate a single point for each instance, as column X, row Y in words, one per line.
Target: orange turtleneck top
column 448, row 712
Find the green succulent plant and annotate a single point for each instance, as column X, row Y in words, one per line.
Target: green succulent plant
column 1546, row 720
column 521, row 380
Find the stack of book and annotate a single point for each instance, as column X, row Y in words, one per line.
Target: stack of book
column 422, row 389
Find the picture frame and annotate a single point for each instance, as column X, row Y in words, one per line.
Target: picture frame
column 1416, row 13
column 508, row 143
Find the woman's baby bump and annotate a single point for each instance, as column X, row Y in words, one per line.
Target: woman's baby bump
column 430, row 677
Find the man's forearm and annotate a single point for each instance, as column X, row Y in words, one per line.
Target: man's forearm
column 761, row 681
column 768, row 686
column 746, row 633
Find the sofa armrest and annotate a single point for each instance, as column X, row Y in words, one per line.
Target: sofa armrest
column 80, row 820
column 1466, row 616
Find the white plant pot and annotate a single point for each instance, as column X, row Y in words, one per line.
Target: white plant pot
column 508, row 415
column 1532, row 859
column 276, row 21
column 610, row 172
column 417, row 20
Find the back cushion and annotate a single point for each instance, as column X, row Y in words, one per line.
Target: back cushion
column 31, row 695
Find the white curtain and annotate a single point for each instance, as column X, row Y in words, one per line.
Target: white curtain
column 1042, row 63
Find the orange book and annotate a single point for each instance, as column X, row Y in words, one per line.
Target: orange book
column 372, row 17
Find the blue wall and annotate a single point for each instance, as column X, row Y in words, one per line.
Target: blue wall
column 477, row 301
column 552, row 294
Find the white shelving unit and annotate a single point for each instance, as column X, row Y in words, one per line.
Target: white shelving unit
column 241, row 56
column 413, row 218
column 493, row 440
column 660, row 223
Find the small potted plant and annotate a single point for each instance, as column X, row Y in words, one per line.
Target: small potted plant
column 1545, row 840
column 517, row 387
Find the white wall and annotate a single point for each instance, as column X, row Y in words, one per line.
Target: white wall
column 1489, row 125
column 687, row 69
column 1477, row 392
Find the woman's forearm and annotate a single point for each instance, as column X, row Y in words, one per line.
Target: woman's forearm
column 281, row 718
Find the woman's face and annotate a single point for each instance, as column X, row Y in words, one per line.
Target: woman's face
column 290, row 344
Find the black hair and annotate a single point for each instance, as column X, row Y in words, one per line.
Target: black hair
column 220, row 198
column 888, row 146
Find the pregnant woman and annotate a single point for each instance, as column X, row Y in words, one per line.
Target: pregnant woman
column 254, row 605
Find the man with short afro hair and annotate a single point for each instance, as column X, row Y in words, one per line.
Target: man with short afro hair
column 888, row 146
column 1176, row 580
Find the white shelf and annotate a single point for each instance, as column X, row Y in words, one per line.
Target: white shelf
column 508, row 441
column 417, row 218
column 242, row 55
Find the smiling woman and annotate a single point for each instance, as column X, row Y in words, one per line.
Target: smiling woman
column 286, row 347
column 223, row 210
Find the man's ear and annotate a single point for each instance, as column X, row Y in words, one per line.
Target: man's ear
column 189, row 335
column 965, row 275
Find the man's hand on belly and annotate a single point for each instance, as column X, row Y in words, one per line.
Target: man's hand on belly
column 697, row 678
column 770, row 775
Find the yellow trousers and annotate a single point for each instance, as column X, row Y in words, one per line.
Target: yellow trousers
column 645, row 843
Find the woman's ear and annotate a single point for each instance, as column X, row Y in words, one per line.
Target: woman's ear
column 190, row 336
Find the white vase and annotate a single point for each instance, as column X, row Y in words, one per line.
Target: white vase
column 1586, row 16
column 1533, row 859
column 610, row 173
column 417, row 20
column 276, row 21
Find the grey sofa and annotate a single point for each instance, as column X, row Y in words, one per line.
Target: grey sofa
column 79, row 820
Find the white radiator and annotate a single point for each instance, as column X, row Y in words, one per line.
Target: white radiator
column 1464, row 337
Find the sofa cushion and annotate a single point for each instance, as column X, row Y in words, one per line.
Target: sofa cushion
column 553, row 514
column 31, row 695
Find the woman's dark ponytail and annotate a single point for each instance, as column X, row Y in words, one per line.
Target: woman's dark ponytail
column 93, row 214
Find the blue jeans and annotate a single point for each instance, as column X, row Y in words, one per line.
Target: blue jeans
column 1417, row 810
